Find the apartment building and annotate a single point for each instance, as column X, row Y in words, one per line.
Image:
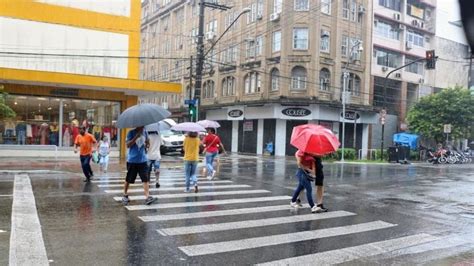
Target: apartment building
column 280, row 65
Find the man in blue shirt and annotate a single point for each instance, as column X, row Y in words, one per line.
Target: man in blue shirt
column 137, row 163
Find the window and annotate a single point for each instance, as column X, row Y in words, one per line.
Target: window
column 252, row 82
column 254, row 47
column 354, row 13
column 344, row 45
column 298, row 78
column 387, row 58
column 416, row 68
column 229, row 18
column 228, row 86
column 326, row 7
column 301, row 5
column 259, row 45
column 250, row 51
column 325, row 41
column 392, row 4
column 277, row 6
column 152, row 74
column 256, row 11
column 165, row 22
column 164, row 72
column 300, row 38
column 208, row 89
column 345, row 9
column 229, row 55
column 353, row 83
column 387, row 30
column 212, row 26
column 275, row 79
column 324, row 79
column 276, row 41
column 416, row 38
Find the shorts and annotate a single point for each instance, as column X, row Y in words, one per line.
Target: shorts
column 137, row 168
column 153, row 164
column 319, row 172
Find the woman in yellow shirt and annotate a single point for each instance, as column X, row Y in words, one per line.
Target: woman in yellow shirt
column 191, row 158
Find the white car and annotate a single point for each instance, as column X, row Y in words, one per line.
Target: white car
column 171, row 141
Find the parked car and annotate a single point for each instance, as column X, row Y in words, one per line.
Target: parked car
column 172, row 141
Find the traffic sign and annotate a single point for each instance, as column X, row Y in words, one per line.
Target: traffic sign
column 192, row 102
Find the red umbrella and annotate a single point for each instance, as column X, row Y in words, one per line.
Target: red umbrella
column 314, row 139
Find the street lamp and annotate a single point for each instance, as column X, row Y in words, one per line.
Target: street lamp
column 357, row 43
column 201, row 55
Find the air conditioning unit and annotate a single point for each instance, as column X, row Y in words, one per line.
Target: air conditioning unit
column 409, row 45
column 361, row 9
column 259, row 16
column 398, row 75
column 274, row 16
column 384, row 69
column 414, row 23
column 401, row 27
column 325, row 34
column 427, row 39
column 397, row 16
column 210, row 35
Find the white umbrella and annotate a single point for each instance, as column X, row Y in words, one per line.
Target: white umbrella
column 209, row 123
column 141, row 115
column 188, row 127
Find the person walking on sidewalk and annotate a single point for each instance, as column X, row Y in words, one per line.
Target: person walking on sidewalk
column 154, row 155
column 191, row 158
column 211, row 146
column 104, row 151
column 319, row 185
column 137, row 163
column 85, row 142
column 305, row 174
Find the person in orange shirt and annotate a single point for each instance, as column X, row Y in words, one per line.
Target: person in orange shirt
column 86, row 142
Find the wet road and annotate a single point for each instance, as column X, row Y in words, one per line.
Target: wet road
column 379, row 214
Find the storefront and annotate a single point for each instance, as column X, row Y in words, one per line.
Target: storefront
column 254, row 127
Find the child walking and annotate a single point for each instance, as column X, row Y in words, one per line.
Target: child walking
column 191, row 158
column 104, row 151
column 305, row 174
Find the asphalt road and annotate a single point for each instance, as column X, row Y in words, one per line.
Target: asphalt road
column 378, row 215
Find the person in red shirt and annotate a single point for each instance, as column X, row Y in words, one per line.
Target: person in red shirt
column 305, row 174
column 86, row 142
column 211, row 146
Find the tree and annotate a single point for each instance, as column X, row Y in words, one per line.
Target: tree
column 5, row 110
column 453, row 106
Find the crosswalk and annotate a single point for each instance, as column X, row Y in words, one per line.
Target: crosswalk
column 225, row 206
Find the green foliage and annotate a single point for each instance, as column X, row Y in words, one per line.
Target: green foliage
column 5, row 110
column 349, row 154
column 453, row 106
column 378, row 155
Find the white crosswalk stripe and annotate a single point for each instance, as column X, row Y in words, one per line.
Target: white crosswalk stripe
column 257, row 242
column 250, row 223
column 164, row 184
column 200, row 194
column 137, row 190
column 206, row 214
column 206, row 203
column 357, row 252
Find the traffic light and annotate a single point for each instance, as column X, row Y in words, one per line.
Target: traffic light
column 430, row 59
column 192, row 112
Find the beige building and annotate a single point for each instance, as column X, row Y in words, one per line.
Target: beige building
column 280, row 65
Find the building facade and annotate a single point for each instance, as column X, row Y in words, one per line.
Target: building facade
column 69, row 63
column 280, row 65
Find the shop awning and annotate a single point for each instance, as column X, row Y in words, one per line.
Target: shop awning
column 66, row 80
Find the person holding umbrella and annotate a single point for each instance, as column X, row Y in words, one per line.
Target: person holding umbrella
column 137, row 142
column 191, row 152
column 211, row 146
column 313, row 142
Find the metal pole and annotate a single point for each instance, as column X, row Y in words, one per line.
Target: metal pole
column 61, row 122
column 344, row 86
column 200, row 57
column 190, row 83
column 355, row 131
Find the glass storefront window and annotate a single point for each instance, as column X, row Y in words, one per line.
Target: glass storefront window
column 55, row 121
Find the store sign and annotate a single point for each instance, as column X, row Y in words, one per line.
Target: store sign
column 296, row 112
column 235, row 113
column 65, row 92
column 248, row 126
column 351, row 115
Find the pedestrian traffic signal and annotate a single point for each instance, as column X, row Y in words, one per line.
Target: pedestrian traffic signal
column 192, row 112
column 430, row 59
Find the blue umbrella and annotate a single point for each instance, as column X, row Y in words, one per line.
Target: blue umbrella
column 141, row 115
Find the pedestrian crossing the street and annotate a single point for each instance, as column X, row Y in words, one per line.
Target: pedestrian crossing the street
column 213, row 209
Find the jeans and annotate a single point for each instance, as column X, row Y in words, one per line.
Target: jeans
column 304, row 183
column 21, row 137
column 86, row 165
column 190, row 173
column 209, row 160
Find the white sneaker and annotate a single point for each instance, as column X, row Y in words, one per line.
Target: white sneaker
column 294, row 204
column 316, row 209
column 213, row 174
column 209, row 177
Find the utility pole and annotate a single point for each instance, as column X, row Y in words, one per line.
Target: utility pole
column 200, row 50
column 344, row 87
column 190, row 87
